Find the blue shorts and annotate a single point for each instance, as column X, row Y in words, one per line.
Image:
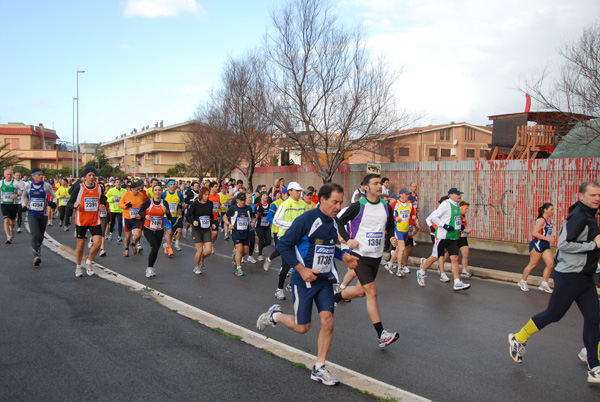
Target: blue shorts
column 240, row 239
column 402, row 236
column 173, row 224
column 539, row 245
column 303, row 298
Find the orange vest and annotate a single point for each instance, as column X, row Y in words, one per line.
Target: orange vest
column 216, row 199
column 156, row 213
column 86, row 214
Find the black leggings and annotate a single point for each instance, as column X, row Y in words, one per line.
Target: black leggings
column 116, row 217
column 264, row 237
column 285, row 268
column 37, row 227
column 581, row 289
column 154, row 237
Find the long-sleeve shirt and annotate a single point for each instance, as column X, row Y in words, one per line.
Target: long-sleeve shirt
column 25, row 192
column 287, row 212
column 447, row 213
column 200, row 212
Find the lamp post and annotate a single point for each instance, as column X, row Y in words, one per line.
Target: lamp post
column 73, row 142
column 78, row 71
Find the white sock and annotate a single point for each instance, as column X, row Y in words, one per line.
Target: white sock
column 275, row 316
column 319, row 365
column 87, row 262
column 421, row 272
column 544, row 283
column 456, row 281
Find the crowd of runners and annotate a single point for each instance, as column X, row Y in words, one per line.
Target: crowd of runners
column 309, row 229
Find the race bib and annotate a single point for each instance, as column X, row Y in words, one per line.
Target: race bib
column 264, row 222
column 103, row 214
column 156, row 222
column 457, row 222
column 90, row 204
column 404, row 215
column 242, row 223
column 215, row 207
column 63, row 201
column 204, row 222
column 323, row 258
column 37, row 204
column 6, row 197
column 374, row 242
column 224, row 205
column 173, row 207
column 549, row 231
column 134, row 213
column 116, row 200
column 411, row 228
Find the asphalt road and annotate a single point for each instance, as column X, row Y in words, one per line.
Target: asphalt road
column 453, row 346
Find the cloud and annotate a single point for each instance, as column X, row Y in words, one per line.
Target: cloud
column 162, row 8
column 125, row 46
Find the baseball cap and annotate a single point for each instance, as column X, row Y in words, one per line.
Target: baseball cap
column 294, row 186
column 454, row 190
column 241, row 196
column 404, row 191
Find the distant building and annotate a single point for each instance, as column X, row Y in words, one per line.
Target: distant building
column 445, row 142
column 151, row 151
column 36, row 146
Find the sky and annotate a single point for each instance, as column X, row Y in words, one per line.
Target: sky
column 147, row 61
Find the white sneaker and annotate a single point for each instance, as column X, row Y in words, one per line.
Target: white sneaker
column 387, row 338
column 279, row 294
column 213, row 251
column 523, row 285
column 150, row 273
column 78, row 272
column 400, row 273
column 405, row 269
column 583, row 355
column 260, row 258
column 594, row 375
column 267, row 264
column 390, row 268
column 466, row 274
column 202, row 265
column 197, row 270
column 176, row 246
column 102, row 253
column 545, row 288
column 444, row 278
column 18, row 230
column 460, row 286
column 420, row 277
column 243, row 259
column 251, row 259
column 90, row 243
column 88, row 269
column 50, row 223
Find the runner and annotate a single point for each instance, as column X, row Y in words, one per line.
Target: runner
column 87, row 199
column 252, row 235
column 286, row 213
column 200, row 216
column 63, row 197
column 116, row 214
column 413, row 229
column 224, row 201
column 156, row 213
column 309, row 245
column 463, row 242
column 191, row 195
column 448, row 221
column 239, row 217
column 307, row 197
column 130, row 203
column 35, row 200
column 263, row 226
column 404, row 212
column 9, row 193
column 539, row 248
column 176, row 204
column 279, row 199
column 104, row 224
column 20, row 184
column 371, row 224
column 215, row 197
column 577, row 260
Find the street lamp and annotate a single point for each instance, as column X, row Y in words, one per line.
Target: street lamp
column 78, row 71
column 73, row 142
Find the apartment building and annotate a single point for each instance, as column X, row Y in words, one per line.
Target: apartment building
column 151, row 151
column 445, row 142
column 35, row 146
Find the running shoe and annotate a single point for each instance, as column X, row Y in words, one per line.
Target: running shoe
column 405, row 269
column 288, row 288
column 176, row 246
column 323, row 375
column 256, row 249
column 460, row 285
column 239, row 272
column 243, row 259
column 102, row 253
column 523, row 285
column 266, row 319
column 213, row 251
column 279, row 294
column 267, row 264
column 444, row 278
column 400, row 273
column 197, row 270
column 66, row 228
column 466, row 274
column 140, row 248
column 50, row 223
column 387, row 338
column 226, row 237
column 119, row 239
column 90, row 243
column 166, row 247
column 110, row 237
column 37, row 261
column 516, row 348
column 582, row 355
column 133, row 249
column 59, row 225
column 594, row 375
column 18, row 230
column 260, row 258
column 8, row 240
column 390, row 268
column 184, row 233
column 88, row 268
column 150, row 273
column 421, row 278
column 545, row 288
column 251, row 259
column 78, row 272
column 170, row 252
column 202, row 265
column 126, row 253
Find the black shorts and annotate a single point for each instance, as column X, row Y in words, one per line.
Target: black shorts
column 442, row 245
column 81, row 231
column 10, row 211
column 367, row 268
column 132, row 224
column 409, row 242
column 463, row 242
column 200, row 235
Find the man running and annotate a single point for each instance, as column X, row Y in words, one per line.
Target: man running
column 9, row 193
column 309, row 246
column 215, row 197
column 371, row 224
column 239, row 217
column 20, row 184
column 175, row 199
column 224, row 201
column 35, row 200
column 116, row 214
column 576, row 262
column 130, row 203
column 404, row 213
column 87, row 199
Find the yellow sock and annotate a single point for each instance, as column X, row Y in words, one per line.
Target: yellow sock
column 529, row 329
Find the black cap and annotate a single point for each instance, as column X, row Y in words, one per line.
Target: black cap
column 241, row 196
column 454, row 190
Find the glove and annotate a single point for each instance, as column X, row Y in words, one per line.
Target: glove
column 432, row 228
column 24, row 208
column 52, row 204
column 129, row 205
column 448, row 228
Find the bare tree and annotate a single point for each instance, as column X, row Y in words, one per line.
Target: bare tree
column 325, row 92
column 576, row 90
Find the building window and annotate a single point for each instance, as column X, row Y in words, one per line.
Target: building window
column 469, row 134
column 13, row 143
column 445, row 152
column 469, row 153
column 483, row 153
column 404, row 151
column 445, row 134
column 433, row 152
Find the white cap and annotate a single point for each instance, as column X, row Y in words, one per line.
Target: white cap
column 294, row 186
